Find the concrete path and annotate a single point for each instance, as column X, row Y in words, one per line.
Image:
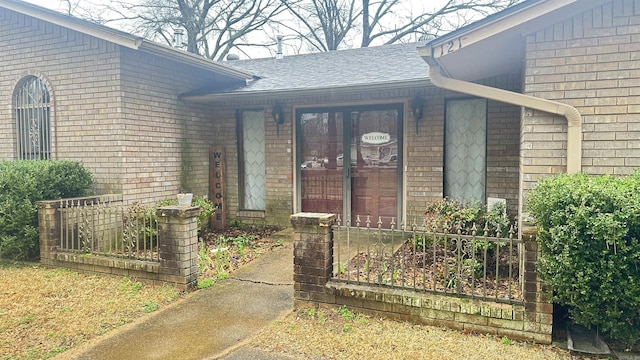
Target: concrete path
column 210, row 323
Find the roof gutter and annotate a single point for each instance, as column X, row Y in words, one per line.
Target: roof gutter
column 574, row 119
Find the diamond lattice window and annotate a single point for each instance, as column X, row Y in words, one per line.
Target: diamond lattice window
column 465, row 170
column 253, row 160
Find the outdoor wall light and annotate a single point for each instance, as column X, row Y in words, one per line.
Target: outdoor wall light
column 417, row 109
column 278, row 116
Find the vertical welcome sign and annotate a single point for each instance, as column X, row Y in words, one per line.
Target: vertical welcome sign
column 216, row 186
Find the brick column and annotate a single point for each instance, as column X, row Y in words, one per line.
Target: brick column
column 48, row 230
column 178, row 245
column 538, row 309
column 312, row 257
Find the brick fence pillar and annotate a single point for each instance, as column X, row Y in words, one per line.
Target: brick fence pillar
column 178, row 243
column 48, row 230
column 312, row 257
column 538, row 308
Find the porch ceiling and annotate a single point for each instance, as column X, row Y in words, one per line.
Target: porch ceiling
column 496, row 45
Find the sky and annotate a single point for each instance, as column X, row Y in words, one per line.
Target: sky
column 414, row 6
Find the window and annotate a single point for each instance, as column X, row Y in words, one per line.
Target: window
column 251, row 131
column 465, row 161
column 33, row 119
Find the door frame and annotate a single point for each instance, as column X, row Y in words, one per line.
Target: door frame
column 346, row 144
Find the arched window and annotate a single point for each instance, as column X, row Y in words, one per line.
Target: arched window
column 32, row 108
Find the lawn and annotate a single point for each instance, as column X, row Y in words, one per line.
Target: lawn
column 342, row 334
column 46, row 311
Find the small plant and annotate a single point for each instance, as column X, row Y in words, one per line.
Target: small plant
column 309, row 312
column 205, row 283
column 131, row 287
column 341, row 268
column 235, row 223
column 505, row 341
column 345, row 313
column 150, row 306
column 26, row 319
column 55, row 351
column 423, row 242
column 346, row 328
column 222, row 275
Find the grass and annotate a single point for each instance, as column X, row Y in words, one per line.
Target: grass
column 46, row 311
column 343, row 334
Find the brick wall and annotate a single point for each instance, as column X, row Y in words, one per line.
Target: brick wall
column 530, row 320
column 424, row 148
column 83, row 77
column 590, row 61
column 157, row 127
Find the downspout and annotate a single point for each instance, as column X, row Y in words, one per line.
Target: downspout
column 574, row 119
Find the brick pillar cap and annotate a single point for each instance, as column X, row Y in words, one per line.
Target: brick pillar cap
column 312, row 219
column 178, row 211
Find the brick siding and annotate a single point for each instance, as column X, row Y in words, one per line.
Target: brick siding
column 83, row 77
column 590, row 61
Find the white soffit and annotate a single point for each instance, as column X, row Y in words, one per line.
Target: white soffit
column 497, row 46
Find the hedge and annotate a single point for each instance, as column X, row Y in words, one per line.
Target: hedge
column 24, row 182
column 589, row 231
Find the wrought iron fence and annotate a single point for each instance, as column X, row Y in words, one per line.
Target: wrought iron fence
column 477, row 263
column 101, row 227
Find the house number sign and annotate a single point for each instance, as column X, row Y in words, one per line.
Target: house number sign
column 216, row 186
column 448, row 47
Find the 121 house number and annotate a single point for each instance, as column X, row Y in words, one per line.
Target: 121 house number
column 448, row 47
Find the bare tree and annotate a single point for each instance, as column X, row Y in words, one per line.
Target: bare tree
column 212, row 27
column 330, row 24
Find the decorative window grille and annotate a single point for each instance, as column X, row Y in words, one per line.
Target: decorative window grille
column 32, row 106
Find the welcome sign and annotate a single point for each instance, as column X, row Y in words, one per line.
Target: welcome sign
column 216, row 186
column 376, row 138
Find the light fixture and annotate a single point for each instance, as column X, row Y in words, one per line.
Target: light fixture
column 278, row 116
column 417, row 109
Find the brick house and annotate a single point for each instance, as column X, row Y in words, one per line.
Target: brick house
column 75, row 90
column 480, row 114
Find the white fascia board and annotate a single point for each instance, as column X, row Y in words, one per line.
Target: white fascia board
column 447, row 44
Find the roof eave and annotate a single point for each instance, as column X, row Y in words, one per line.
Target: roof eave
column 492, row 41
column 215, row 97
column 491, row 26
column 119, row 38
column 192, row 59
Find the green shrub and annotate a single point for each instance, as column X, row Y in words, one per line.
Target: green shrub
column 590, row 253
column 22, row 183
column 206, row 209
column 447, row 216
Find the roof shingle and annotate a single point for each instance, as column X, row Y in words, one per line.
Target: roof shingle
column 386, row 64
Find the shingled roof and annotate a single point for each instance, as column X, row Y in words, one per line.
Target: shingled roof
column 362, row 67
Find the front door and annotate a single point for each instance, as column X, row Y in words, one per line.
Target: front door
column 349, row 162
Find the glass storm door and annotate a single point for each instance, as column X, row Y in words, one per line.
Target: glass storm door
column 349, row 163
column 374, row 166
column 321, row 171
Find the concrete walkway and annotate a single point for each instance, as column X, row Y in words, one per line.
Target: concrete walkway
column 210, row 323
